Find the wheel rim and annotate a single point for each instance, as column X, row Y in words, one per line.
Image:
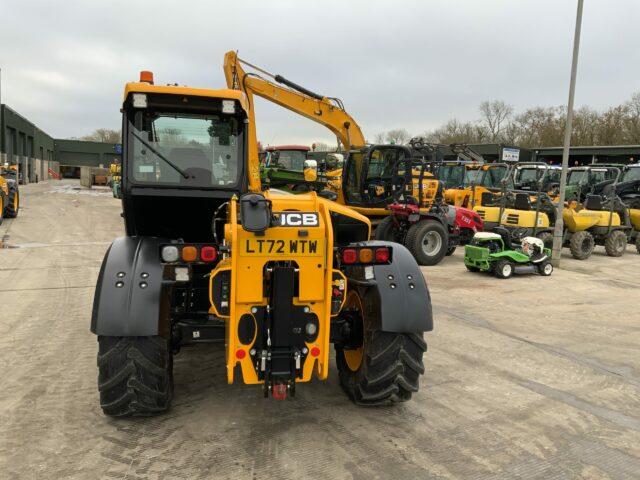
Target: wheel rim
column 586, row 245
column 353, row 356
column 16, row 201
column 548, row 268
column 506, row 269
column 431, row 243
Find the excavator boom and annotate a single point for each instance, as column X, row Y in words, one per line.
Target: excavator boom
column 323, row 110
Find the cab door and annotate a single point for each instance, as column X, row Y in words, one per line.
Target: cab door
column 372, row 176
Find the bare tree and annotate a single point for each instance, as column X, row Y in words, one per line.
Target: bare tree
column 536, row 127
column 323, row 147
column 455, row 131
column 380, row 138
column 632, row 121
column 495, row 115
column 399, row 136
column 104, row 135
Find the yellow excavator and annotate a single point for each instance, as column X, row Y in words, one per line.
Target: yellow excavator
column 369, row 176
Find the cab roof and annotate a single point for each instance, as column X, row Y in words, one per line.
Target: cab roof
column 224, row 93
column 288, row 147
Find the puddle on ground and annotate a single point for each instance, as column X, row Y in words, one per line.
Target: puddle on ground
column 95, row 191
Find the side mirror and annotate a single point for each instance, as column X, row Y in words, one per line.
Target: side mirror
column 310, row 170
column 255, row 212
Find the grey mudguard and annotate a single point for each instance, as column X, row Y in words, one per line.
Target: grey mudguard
column 397, row 299
column 139, row 305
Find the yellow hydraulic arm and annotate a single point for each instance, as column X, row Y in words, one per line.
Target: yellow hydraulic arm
column 323, row 110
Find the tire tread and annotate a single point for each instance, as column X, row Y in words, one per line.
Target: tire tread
column 135, row 375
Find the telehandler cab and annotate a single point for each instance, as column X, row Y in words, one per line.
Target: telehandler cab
column 208, row 257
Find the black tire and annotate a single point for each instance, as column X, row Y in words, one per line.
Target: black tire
column 387, row 231
column 135, row 375
column 13, row 202
column 581, row 245
column 416, row 238
column 545, row 268
column 616, row 243
column 547, row 239
column 390, row 365
column 384, row 229
column 638, row 244
column 472, row 269
column 451, row 250
column 503, row 268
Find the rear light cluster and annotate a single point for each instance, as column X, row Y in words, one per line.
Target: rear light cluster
column 188, row 253
column 365, row 255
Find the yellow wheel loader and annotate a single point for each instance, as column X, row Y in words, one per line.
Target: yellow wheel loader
column 9, row 193
column 273, row 278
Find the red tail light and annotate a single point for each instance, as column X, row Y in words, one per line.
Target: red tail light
column 349, row 255
column 382, row 255
column 208, row 254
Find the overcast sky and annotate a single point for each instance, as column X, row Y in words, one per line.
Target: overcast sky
column 410, row 64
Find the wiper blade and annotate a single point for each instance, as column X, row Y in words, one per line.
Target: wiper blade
column 162, row 157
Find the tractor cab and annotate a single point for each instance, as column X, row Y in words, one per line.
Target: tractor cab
column 582, row 181
column 536, row 176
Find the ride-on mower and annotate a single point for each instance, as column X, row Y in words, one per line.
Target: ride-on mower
column 494, row 252
column 208, row 257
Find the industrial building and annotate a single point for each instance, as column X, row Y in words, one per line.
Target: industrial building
column 40, row 157
column 584, row 155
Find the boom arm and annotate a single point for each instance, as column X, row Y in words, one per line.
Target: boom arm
column 320, row 109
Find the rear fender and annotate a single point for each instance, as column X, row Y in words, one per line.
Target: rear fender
column 397, row 298
column 131, row 298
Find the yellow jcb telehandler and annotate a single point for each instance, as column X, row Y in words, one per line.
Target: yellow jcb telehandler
column 208, row 257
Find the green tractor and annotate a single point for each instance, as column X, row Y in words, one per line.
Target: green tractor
column 494, row 252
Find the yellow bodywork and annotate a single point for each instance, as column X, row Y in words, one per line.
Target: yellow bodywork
column 512, row 217
column 4, row 186
column 429, row 190
column 316, row 272
column 579, row 220
column 465, row 197
column 488, row 214
column 524, row 218
column 634, row 215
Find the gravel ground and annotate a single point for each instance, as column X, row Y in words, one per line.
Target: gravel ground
column 530, row 377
